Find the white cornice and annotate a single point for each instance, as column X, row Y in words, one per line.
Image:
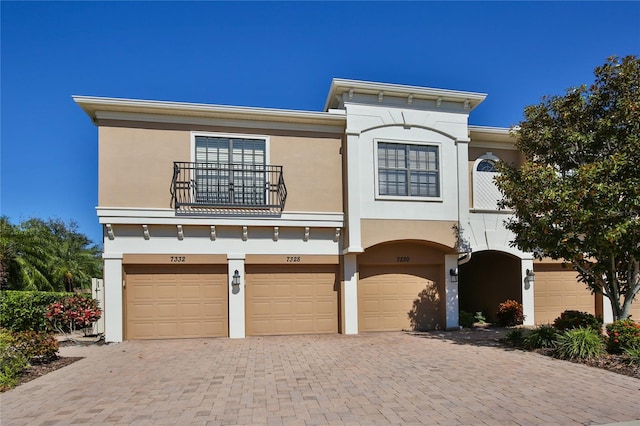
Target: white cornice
column 491, row 137
column 340, row 86
column 149, row 216
column 164, row 110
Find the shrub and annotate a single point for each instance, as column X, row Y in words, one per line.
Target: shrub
column 480, row 317
column 515, row 337
column 36, row 346
column 509, row 313
column 580, row 343
column 575, row 319
column 623, row 334
column 72, row 313
column 25, row 310
column 633, row 355
column 466, row 319
column 544, row 336
column 12, row 361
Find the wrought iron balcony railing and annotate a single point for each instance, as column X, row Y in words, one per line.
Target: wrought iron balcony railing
column 201, row 186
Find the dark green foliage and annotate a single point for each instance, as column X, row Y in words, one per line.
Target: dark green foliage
column 544, row 336
column 12, row 361
column 580, row 343
column 26, row 310
column 466, row 319
column 623, row 334
column 576, row 197
column 46, row 255
column 509, row 313
column 515, row 337
column 575, row 319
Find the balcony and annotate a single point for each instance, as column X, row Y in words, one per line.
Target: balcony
column 201, row 188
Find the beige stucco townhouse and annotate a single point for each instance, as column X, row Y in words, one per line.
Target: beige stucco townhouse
column 378, row 213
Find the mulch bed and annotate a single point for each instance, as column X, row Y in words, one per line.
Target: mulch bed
column 37, row 370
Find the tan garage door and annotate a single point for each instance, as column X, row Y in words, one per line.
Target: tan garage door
column 291, row 299
column 635, row 308
column 390, row 296
column 167, row 302
column 556, row 289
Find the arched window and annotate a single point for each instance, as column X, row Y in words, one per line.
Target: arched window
column 485, row 192
column 486, row 165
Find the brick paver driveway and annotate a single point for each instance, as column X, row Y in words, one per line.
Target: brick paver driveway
column 367, row 379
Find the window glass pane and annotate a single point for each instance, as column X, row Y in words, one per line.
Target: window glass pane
column 486, row 166
column 409, row 170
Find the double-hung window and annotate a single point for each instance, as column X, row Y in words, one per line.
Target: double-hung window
column 230, row 171
column 408, row 170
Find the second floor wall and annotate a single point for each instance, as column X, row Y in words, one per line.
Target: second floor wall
column 136, row 162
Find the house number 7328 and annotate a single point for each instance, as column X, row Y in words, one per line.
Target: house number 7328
column 403, row 259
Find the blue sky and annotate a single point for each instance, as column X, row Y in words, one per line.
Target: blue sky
column 266, row 54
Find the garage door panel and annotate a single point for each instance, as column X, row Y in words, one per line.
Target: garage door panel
column 386, row 295
column 176, row 301
column 291, row 299
column 555, row 290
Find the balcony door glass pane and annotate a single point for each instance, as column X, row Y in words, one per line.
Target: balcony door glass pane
column 230, row 171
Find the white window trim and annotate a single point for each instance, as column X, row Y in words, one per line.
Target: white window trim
column 265, row 138
column 377, row 195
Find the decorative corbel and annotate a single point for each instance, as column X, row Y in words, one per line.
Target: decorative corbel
column 380, row 96
column 439, row 102
column 306, row 234
column 350, row 93
column 276, row 232
column 110, row 233
column 467, row 104
column 410, row 99
column 245, row 233
column 213, row 233
column 180, row 232
column 337, row 237
column 145, row 232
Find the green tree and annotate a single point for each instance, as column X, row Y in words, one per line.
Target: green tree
column 47, row 255
column 576, row 196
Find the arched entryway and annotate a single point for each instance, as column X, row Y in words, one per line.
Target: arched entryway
column 488, row 279
column 401, row 287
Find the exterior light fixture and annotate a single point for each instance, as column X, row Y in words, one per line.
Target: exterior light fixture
column 235, row 281
column 453, row 273
column 531, row 277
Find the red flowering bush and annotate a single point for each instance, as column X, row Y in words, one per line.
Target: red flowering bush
column 72, row 313
column 510, row 313
column 622, row 335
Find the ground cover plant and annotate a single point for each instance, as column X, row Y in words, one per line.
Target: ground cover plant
column 574, row 337
column 28, row 345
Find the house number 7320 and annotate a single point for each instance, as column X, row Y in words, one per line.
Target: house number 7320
column 403, row 259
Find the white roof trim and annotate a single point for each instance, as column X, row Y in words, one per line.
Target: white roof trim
column 94, row 105
column 339, row 86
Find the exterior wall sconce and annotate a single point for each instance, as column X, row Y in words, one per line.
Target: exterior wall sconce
column 531, row 277
column 453, row 273
column 235, row 281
